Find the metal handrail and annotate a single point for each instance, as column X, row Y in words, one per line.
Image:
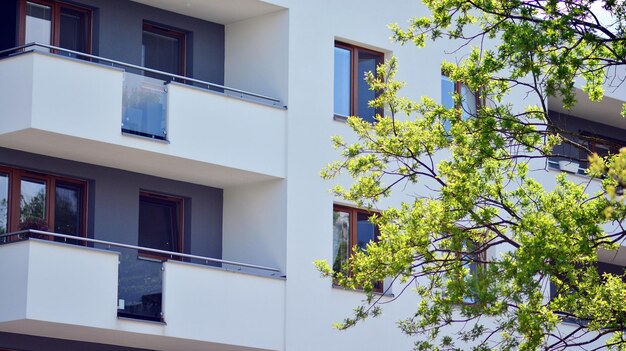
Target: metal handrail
column 275, row 101
column 147, row 249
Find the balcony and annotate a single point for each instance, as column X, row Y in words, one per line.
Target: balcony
column 85, row 293
column 95, row 110
column 588, row 134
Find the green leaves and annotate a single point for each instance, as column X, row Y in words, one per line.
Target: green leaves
column 486, row 234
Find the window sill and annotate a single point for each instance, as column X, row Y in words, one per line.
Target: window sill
column 129, row 317
column 361, row 291
column 340, row 118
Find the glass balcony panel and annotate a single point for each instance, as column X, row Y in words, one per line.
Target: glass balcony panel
column 140, row 286
column 144, row 106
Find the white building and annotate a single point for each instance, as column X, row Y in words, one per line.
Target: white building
column 181, row 142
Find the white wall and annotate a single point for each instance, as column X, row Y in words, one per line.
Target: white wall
column 256, row 51
column 223, row 307
column 57, row 283
column 255, row 225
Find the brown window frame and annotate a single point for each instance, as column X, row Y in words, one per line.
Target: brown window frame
column 353, row 235
column 172, row 33
column 56, row 23
column 15, row 176
column 354, row 76
column 611, row 145
column 180, row 209
column 593, row 142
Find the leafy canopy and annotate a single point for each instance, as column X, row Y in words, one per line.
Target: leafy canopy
column 480, row 202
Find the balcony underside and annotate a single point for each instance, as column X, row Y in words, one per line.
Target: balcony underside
column 219, row 11
column 127, row 158
column 607, row 111
column 114, row 337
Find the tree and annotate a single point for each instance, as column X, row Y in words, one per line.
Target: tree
column 483, row 193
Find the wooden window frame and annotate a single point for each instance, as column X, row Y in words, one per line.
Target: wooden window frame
column 167, row 31
column 180, row 206
column 15, row 176
column 353, row 235
column 610, row 144
column 56, row 23
column 354, row 76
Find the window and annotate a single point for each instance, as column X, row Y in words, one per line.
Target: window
column 602, row 145
column 602, row 268
column 163, row 49
column 160, row 225
column 30, row 200
column 55, row 23
column 352, row 230
column 473, row 258
column 352, row 93
column 469, row 104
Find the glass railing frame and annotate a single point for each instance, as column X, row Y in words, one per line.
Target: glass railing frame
column 143, row 301
column 39, row 234
column 213, row 87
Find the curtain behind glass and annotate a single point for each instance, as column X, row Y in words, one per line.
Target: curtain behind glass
column 161, row 52
column 38, row 23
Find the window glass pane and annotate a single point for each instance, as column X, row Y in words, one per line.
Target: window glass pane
column 32, row 204
column 161, row 52
column 447, row 97
column 73, row 27
column 367, row 63
column 341, row 239
column 4, row 203
column 158, row 224
column 342, row 81
column 67, row 209
column 366, row 231
column 38, row 23
column 470, row 258
column 469, row 102
column 447, row 92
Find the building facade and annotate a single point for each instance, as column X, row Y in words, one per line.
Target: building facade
column 173, row 150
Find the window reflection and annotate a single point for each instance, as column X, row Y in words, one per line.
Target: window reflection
column 352, row 93
column 469, row 105
column 342, row 81
column 32, row 204
column 366, row 230
column 341, row 239
column 4, row 203
column 367, row 63
column 67, row 218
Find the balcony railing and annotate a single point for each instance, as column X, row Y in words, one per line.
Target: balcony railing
column 145, row 90
column 140, row 280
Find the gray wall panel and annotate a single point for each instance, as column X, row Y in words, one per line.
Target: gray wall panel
column 115, row 200
column 119, row 29
column 117, row 34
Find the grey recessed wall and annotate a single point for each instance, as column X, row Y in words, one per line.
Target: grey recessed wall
column 117, row 34
column 577, row 126
column 113, row 208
